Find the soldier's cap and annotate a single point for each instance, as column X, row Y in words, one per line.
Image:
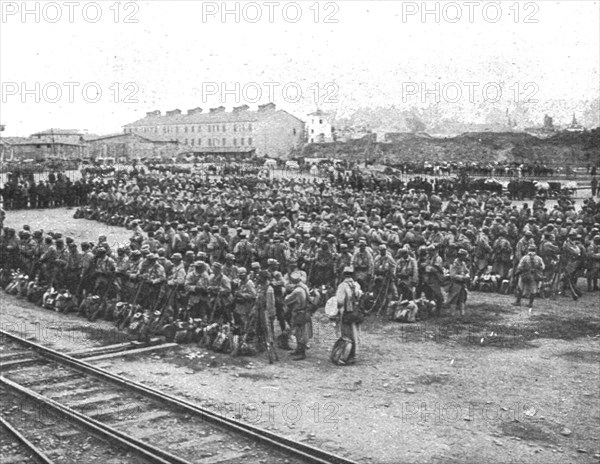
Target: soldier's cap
column 161, row 251
column 295, row 277
column 528, row 233
column 558, row 220
column 271, row 262
column 242, row 271
column 349, row 270
column 362, row 241
column 37, row 233
column 70, row 240
column 145, row 251
column 255, row 265
column 101, row 238
column 264, row 274
column 229, row 256
column 217, row 265
column 343, row 246
column 26, row 227
column 152, row 256
column 463, row 252
column 201, row 255
column 199, row 263
column 194, row 230
column 596, row 238
column 572, row 233
column 180, row 227
column 532, row 247
column 121, row 250
column 177, row 257
column 382, row 247
column 25, row 233
column 57, row 235
column 60, row 241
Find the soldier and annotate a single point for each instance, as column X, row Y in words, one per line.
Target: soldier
column 459, row 279
column 571, row 256
column 27, row 248
column 74, row 266
column 265, row 301
column 384, row 268
column 176, row 280
column 61, row 263
column 530, row 271
column 342, row 261
column 482, row 251
column 593, row 271
column 229, row 268
column 407, row 272
column 297, row 303
column 348, row 295
column 104, row 268
column 502, row 256
column 196, row 287
column 219, row 291
column 433, row 275
column 153, row 276
column 244, row 297
column 243, row 251
column 363, row 264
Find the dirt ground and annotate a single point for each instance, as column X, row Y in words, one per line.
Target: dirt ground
column 497, row 385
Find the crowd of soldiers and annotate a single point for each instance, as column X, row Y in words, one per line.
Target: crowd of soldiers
column 231, row 248
column 57, row 190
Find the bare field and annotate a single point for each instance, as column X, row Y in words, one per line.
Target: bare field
column 497, row 385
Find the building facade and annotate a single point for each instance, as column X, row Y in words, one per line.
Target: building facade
column 264, row 132
column 319, row 127
column 131, row 146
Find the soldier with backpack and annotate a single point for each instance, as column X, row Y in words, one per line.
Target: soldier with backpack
column 350, row 317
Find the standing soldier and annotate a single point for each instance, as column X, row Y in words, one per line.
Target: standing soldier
column 244, row 297
column 175, row 281
column 384, row 268
column 74, row 266
column 530, row 271
column 28, row 248
column 47, row 260
column 502, row 255
column 459, row 278
column 407, row 272
column 549, row 254
column 433, row 275
column 343, row 260
column 153, row 276
column 571, row 257
column 593, row 272
column 297, row 303
column 363, row 264
column 348, row 295
column 61, row 264
column 219, row 292
column 482, row 251
column 196, row 287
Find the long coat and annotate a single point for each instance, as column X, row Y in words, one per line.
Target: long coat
column 530, row 269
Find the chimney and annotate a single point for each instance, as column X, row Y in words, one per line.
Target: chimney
column 239, row 109
column 153, row 113
column 173, row 113
column 267, row 107
column 220, row 109
column 194, row 111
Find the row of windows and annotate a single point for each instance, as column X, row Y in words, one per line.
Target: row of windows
column 207, row 128
column 219, row 143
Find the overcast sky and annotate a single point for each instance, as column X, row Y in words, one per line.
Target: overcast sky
column 338, row 55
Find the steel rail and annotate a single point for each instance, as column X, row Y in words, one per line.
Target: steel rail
column 40, row 456
column 288, row 446
column 149, row 452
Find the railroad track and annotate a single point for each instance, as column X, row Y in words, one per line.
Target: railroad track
column 146, row 421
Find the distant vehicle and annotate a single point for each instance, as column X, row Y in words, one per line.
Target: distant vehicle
column 292, row 165
column 270, row 163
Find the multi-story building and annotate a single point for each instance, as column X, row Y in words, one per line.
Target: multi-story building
column 319, row 127
column 264, row 132
column 52, row 143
